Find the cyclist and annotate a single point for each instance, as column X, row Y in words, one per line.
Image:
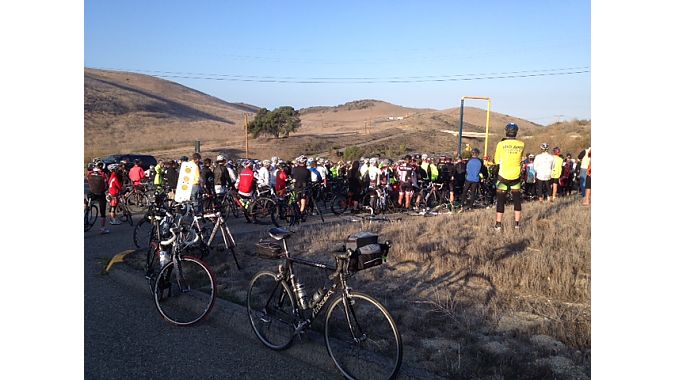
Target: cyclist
column 302, row 177
column 584, row 164
column 529, row 175
column 171, row 178
column 282, row 175
column 263, row 176
column 136, row 173
column 323, row 171
column 221, row 177
column 472, row 179
column 508, row 155
column 245, row 184
column 405, row 173
column 98, row 182
column 544, row 163
column 208, row 178
column 556, row 172
column 354, row 185
column 587, row 182
column 114, row 189
column 567, row 175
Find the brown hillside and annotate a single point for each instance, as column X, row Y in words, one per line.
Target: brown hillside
column 127, row 112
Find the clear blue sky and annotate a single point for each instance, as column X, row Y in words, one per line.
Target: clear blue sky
column 380, row 40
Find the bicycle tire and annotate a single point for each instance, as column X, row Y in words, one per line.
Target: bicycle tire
column 271, row 308
column 362, row 337
column 184, row 301
column 339, row 204
column 90, row 215
column 152, row 267
column 142, row 232
column 137, row 202
column 263, row 211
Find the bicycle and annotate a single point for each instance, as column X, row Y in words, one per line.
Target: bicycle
column 184, row 290
column 136, row 198
column 91, row 212
column 359, row 332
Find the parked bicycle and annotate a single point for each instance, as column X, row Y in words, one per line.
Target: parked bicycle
column 184, row 290
column 360, row 334
column 91, row 212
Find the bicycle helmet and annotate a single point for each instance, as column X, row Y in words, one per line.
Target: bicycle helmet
column 184, row 158
column 220, row 158
column 266, row 162
column 544, row 146
column 424, row 156
column 475, row 152
column 373, row 161
column 531, row 156
column 247, row 163
column 557, row 151
column 99, row 164
column 113, row 167
column 511, row 130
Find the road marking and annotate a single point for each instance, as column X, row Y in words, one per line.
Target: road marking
column 119, row 258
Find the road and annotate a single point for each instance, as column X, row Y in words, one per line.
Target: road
column 126, row 338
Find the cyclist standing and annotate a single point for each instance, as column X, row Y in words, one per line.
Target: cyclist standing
column 302, row 177
column 556, row 172
column 472, row 179
column 98, row 183
column 114, row 189
column 404, row 175
column 544, row 163
column 136, row 173
column 508, row 154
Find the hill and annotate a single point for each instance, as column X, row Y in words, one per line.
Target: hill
column 135, row 112
column 127, row 112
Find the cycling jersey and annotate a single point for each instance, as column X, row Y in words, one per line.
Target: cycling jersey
column 263, row 177
column 246, row 182
column 114, row 184
column 508, row 155
column 302, row 177
column 473, row 169
column 544, row 162
column 558, row 167
column 315, row 176
column 136, row 174
column 373, row 175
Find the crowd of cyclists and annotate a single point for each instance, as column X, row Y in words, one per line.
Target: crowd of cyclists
column 416, row 182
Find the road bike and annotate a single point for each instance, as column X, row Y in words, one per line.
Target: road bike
column 136, row 199
column 359, row 333
column 184, row 290
column 91, row 212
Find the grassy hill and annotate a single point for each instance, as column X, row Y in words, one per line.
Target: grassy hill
column 128, row 112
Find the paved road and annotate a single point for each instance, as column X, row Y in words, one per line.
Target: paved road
column 126, row 338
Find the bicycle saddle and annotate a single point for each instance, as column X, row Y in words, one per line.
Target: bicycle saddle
column 279, row 233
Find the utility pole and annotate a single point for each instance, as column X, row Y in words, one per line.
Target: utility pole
column 246, row 136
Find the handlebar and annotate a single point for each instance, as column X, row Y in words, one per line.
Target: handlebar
column 172, row 239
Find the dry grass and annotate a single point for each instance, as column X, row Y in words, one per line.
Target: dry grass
column 470, row 302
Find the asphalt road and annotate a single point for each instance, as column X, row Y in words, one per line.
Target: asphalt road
column 125, row 337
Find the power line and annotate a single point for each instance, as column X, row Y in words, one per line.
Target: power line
column 361, row 80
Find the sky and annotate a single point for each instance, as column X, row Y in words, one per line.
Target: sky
column 425, row 54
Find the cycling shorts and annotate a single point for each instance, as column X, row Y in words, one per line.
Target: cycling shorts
column 406, row 188
column 506, row 184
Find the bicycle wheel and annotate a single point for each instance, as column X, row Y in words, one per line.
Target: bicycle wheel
column 90, row 215
column 184, row 293
column 143, row 232
column 339, row 204
column 271, row 306
column 137, row 202
column 263, row 211
column 362, row 338
column 152, row 263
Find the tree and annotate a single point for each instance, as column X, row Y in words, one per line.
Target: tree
column 281, row 121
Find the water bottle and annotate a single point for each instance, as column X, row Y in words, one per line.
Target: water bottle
column 299, row 289
column 318, row 295
column 165, row 257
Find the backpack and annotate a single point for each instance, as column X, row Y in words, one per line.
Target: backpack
column 97, row 183
column 460, row 168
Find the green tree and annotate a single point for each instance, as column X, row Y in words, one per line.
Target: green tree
column 279, row 122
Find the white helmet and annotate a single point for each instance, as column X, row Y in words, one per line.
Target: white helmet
column 266, row 162
column 373, row 161
column 424, row 156
column 220, row 157
column 544, row 146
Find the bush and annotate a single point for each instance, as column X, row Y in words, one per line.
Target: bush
column 353, row 153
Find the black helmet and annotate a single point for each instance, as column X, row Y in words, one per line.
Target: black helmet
column 511, row 129
column 184, row 158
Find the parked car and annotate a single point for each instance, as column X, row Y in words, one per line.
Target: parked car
column 146, row 160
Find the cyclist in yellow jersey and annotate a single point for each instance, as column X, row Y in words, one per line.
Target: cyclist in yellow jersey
column 508, row 155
